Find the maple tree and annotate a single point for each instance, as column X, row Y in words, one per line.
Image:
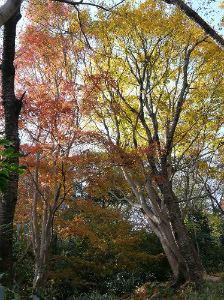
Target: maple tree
column 146, row 78
column 53, row 121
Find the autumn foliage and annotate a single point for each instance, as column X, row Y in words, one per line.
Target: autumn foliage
column 120, row 137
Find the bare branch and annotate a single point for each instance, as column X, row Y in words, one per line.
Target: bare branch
column 74, row 3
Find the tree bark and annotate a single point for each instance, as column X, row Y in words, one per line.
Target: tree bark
column 42, row 252
column 12, row 108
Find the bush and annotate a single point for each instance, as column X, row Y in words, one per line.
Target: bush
column 205, row 230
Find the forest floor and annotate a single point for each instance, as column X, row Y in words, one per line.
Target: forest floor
column 156, row 290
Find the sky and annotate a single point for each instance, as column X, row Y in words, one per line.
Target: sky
column 205, row 8
column 208, row 9
column 211, row 13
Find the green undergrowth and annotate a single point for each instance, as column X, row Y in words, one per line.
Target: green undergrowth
column 156, row 290
column 150, row 290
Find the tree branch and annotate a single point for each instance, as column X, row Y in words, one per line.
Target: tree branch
column 124, row 198
column 198, row 20
column 182, row 96
column 74, row 3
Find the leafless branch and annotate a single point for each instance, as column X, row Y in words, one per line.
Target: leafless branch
column 74, row 3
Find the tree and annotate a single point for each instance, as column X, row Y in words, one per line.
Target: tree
column 11, row 6
column 12, row 107
column 8, row 9
column 144, row 77
column 53, row 122
column 45, row 192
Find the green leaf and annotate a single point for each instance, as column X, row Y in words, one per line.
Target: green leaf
column 17, row 297
column 4, row 175
column 4, row 142
column 12, row 168
column 7, row 152
column 3, row 186
column 19, row 171
column 23, row 167
column 16, row 155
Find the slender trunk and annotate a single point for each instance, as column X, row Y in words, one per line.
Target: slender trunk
column 42, row 241
column 183, row 240
column 12, row 108
column 43, row 250
column 41, row 263
column 40, row 270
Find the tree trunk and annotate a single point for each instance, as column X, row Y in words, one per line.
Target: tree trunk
column 41, row 245
column 157, row 217
column 12, row 108
column 8, row 9
column 42, row 251
column 40, row 274
column 183, row 240
column 173, row 254
column 42, row 260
